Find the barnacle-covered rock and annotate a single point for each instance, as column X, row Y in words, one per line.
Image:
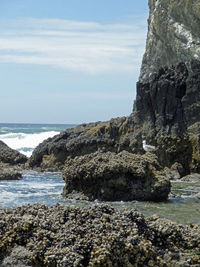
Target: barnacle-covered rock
column 37, row 235
column 112, row 177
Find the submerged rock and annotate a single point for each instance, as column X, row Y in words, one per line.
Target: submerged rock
column 113, row 177
column 9, row 173
column 37, row 235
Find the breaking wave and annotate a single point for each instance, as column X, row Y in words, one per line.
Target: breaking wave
column 26, row 142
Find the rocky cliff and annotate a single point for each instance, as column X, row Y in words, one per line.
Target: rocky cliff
column 173, row 34
column 167, row 106
column 166, row 113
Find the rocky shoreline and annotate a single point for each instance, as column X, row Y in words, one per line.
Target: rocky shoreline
column 37, row 235
column 106, row 161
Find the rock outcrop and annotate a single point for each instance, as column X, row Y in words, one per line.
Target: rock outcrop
column 11, row 162
column 38, row 235
column 173, row 35
column 166, row 114
column 11, row 156
column 167, row 106
column 81, row 140
column 114, row 177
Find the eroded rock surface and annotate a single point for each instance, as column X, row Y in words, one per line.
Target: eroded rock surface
column 11, row 163
column 37, row 235
column 173, row 35
column 81, row 140
column 11, row 156
column 113, row 177
column 166, row 114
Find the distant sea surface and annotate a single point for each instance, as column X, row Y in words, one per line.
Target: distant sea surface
column 24, row 137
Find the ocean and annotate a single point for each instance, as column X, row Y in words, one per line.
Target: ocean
column 33, row 187
column 24, row 137
column 46, row 188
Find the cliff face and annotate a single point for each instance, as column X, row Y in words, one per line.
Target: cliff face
column 169, row 101
column 173, row 34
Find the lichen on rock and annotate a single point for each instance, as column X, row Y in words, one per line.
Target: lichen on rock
column 173, row 35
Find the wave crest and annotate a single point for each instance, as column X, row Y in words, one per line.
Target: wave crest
column 26, row 143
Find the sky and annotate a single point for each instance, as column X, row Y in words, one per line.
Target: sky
column 70, row 61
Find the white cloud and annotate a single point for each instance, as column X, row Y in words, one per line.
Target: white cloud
column 77, row 46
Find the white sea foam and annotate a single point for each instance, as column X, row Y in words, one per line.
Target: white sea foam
column 25, row 143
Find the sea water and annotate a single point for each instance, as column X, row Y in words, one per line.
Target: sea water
column 25, row 137
column 182, row 206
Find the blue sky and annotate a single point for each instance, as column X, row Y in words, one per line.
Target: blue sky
column 70, row 61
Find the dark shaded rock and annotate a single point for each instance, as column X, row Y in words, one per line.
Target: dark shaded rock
column 166, row 113
column 81, row 140
column 37, row 235
column 112, row 177
column 11, row 156
column 158, row 104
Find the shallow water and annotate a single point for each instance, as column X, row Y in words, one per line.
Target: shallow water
column 46, row 188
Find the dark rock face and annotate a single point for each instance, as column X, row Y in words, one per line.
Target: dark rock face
column 166, row 112
column 169, row 101
column 159, row 103
column 83, row 139
column 37, row 235
column 11, row 156
column 11, row 162
column 113, row 177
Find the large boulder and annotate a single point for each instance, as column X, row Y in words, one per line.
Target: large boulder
column 113, row 177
